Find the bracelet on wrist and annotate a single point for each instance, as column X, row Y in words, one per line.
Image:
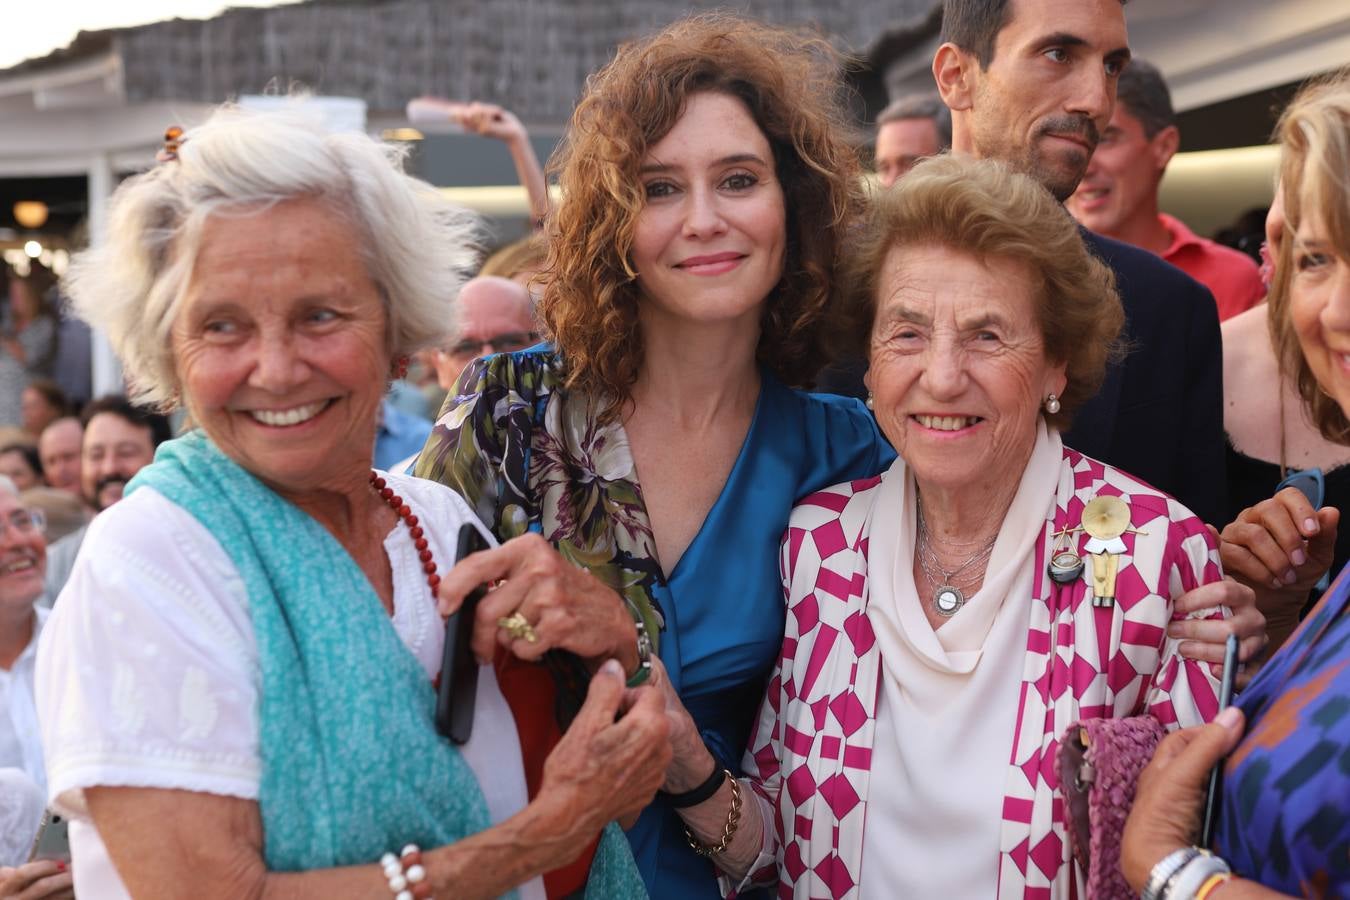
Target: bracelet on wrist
column 1214, row 881
column 700, row 794
column 1164, row 870
column 728, row 829
column 1186, row 883
column 405, row 874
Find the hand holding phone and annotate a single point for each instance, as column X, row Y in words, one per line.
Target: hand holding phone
column 52, row 840
column 1226, row 684
column 436, row 114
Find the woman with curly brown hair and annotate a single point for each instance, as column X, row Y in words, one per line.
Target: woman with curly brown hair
column 659, row 442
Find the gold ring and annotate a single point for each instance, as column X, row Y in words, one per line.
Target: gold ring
column 516, row 626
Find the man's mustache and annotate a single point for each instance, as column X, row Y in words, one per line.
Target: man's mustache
column 106, row 482
column 1079, row 127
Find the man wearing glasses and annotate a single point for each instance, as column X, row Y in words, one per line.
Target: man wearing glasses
column 23, row 562
column 496, row 315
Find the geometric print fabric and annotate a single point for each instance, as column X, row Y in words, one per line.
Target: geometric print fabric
column 810, row 754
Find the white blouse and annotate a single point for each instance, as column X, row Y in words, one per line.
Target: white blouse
column 947, row 709
column 148, row 671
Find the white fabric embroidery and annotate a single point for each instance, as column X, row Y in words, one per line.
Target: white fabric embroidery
column 197, row 710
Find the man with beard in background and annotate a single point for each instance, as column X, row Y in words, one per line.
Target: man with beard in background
column 119, row 440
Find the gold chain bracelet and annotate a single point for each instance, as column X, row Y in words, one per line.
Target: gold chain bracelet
column 728, row 830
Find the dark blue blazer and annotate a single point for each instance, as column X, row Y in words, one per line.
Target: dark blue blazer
column 1159, row 413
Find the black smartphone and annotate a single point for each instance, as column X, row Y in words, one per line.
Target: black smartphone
column 459, row 670
column 1226, row 683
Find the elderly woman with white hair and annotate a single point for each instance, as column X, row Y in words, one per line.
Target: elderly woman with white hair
column 236, row 687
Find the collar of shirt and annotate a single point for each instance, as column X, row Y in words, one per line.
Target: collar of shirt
column 1181, row 235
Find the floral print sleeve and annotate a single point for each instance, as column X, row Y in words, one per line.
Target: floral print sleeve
column 479, row 446
column 528, row 455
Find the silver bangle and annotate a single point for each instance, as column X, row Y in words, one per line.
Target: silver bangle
column 1163, row 871
column 1199, row 869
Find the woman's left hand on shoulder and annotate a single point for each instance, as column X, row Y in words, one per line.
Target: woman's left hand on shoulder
column 564, row 605
column 1166, row 812
column 1203, row 639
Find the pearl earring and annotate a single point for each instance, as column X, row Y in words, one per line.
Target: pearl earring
column 1052, row 404
column 868, row 401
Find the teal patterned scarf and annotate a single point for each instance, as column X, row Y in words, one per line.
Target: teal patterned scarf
column 352, row 766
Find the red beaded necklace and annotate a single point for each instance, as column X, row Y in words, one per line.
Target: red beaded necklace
column 406, row 514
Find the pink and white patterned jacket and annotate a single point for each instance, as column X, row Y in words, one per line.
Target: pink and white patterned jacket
column 811, row 751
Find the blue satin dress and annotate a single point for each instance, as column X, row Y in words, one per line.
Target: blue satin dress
column 529, row 455
column 724, row 601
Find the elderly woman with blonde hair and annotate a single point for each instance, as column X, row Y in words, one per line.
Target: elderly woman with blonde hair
column 1282, row 826
column 236, row 687
column 950, row 619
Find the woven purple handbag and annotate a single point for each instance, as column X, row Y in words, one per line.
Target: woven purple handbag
column 1099, row 762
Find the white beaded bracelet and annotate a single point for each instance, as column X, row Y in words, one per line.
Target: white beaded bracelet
column 406, row 875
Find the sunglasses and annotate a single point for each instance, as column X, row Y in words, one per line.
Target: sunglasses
column 505, row 342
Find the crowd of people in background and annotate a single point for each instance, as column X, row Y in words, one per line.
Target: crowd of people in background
column 818, row 517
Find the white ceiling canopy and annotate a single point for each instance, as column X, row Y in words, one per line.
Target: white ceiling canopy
column 1214, row 50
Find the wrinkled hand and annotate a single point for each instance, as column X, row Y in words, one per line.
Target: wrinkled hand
column 1203, row 639
column 490, row 120
column 1281, row 547
column 603, row 769
column 566, row 606
column 37, row 881
column 691, row 760
column 1171, row 796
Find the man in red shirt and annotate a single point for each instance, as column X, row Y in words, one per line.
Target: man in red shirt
column 1118, row 197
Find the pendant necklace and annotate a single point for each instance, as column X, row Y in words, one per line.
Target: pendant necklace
column 948, row 598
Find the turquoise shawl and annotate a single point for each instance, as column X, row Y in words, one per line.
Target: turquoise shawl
column 352, row 766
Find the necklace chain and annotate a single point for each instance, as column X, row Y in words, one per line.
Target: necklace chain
column 928, row 559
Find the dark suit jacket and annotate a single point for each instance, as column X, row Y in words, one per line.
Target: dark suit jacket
column 1159, row 414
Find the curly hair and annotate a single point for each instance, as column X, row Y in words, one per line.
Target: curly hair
column 790, row 84
column 1315, row 135
column 984, row 208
